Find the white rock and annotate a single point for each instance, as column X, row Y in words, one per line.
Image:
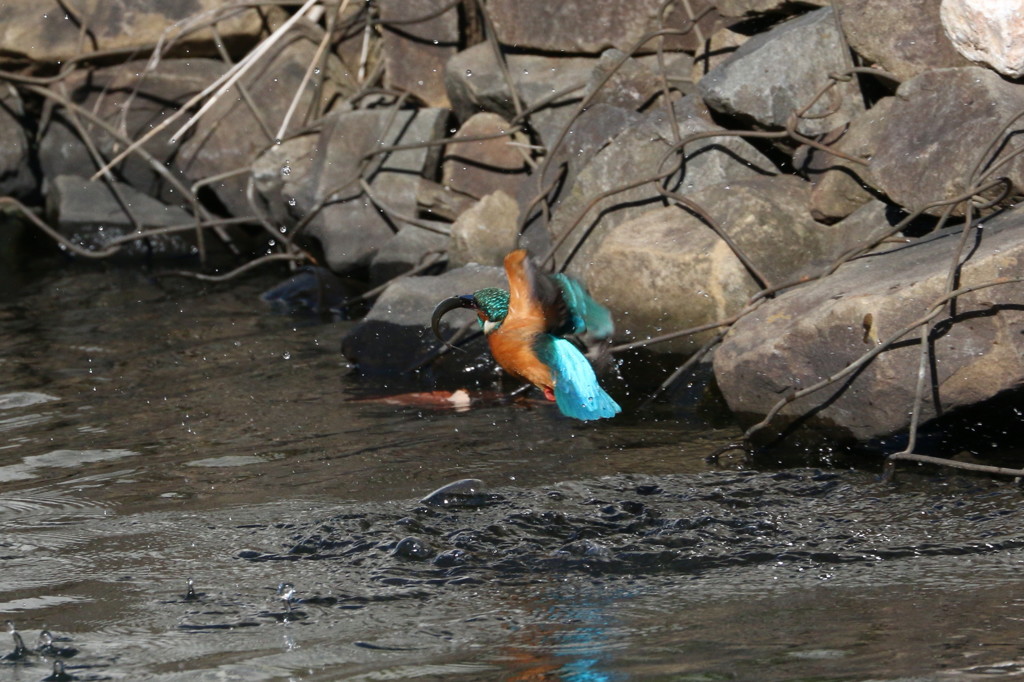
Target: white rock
column 987, row 31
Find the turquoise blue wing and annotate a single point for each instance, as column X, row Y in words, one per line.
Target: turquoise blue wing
column 577, row 392
column 586, row 314
column 567, row 306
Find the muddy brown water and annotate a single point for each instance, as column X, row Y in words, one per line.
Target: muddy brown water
column 152, row 434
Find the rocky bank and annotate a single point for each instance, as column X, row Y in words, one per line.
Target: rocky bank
column 819, row 198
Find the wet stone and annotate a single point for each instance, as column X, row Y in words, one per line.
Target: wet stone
column 413, row 548
column 59, row 674
column 468, row 492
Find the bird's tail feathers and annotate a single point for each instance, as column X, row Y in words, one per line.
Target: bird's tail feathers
column 577, row 392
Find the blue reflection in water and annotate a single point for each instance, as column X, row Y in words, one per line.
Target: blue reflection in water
column 583, row 634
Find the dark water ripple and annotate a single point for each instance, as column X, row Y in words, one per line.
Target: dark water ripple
column 680, row 525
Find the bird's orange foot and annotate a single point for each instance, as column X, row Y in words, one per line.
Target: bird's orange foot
column 549, row 393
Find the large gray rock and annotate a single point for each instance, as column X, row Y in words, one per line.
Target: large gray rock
column 641, row 151
column 587, row 27
column 415, row 50
column 91, row 215
column 905, row 38
column 587, row 135
column 396, row 332
column 130, row 104
column 936, row 131
column 484, row 166
column 17, row 178
column 412, row 245
column 743, row 8
column 486, row 232
column 988, row 32
column 632, row 83
column 46, row 31
column 476, row 83
column 815, row 331
column 325, row 168
column 861, row 230
column 681, row 274
column 842, row 186
column 284, row 172
column 227, row 138
column 231, row 135
column 717, row 49
column 775, row 74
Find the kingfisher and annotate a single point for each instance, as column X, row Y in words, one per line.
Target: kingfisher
column 526, row 328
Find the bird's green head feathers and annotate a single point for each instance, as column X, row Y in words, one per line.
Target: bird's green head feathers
column 491, row 306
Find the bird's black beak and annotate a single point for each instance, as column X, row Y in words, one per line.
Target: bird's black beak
column 445, row 307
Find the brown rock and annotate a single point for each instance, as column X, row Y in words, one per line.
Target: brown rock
column 643, row 150
column 415, row 50
column 988, row 32
column 486, row 232
column 937, row 129
column 412, row 245
column 438, row 201
column 475, row 83
column 742, row 8
column 860, row 230
column 840, row 187
column 681, row 274
column 719, row 47
column 353, row 225
column 583, row 26
column 553, row 85
column 777, row 73
column 227, row 138
column 16, row 176
column 91, row 215
column 52, row 30
column 904, row 38
column 481, row 167
column 632, row 83
column 815, row 331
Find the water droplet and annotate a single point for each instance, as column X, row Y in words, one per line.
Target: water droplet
column 469, row 73
column 286, row 355
column 59, row 674
column 292, row 201
column 286, row 169
column 286, row 592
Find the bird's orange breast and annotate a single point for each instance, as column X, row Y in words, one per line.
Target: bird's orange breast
column 512, row 347
column 512, row 344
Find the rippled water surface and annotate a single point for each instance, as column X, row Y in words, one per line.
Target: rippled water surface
column 157, row 433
